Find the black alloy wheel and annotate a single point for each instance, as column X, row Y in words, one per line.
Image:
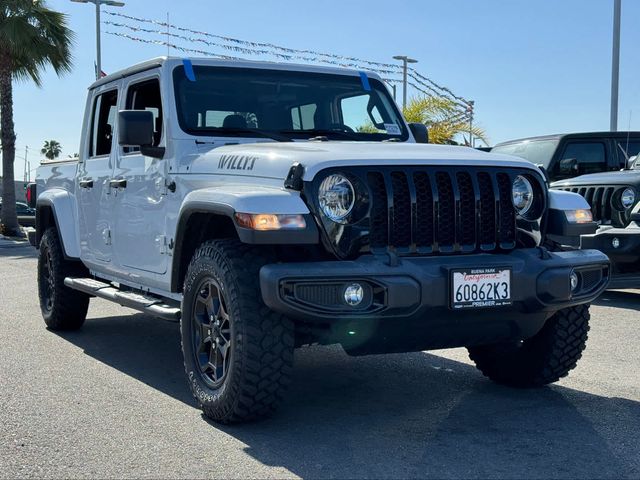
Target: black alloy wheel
column 47, row 288
column 211, row 333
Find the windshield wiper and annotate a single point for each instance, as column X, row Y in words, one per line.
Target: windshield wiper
column 321, row 132
column 255, row 131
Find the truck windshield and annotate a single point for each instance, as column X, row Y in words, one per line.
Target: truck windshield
column 538, row 152
column 230, row 101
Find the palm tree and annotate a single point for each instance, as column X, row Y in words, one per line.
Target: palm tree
column 443, row 118
column 51, row 149
column 32, row 37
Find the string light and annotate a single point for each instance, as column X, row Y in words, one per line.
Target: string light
column 419, row 82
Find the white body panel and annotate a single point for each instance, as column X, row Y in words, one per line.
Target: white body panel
column 122, row 234
column 561, row 200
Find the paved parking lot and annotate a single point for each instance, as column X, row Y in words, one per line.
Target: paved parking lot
column 111, row 400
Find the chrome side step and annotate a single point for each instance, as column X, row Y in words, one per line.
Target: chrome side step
column 144, row 303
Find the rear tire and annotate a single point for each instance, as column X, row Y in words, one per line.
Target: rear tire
column 62, row 307
column 238, row 354
column 542, row 359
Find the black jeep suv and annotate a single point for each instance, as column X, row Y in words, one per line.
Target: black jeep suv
column 572, row 154
column 615, row 203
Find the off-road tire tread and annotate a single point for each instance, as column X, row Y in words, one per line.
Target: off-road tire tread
column 542, row 359
column 265, row 368
column 70, row 306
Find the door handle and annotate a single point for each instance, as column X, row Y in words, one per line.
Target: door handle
column 118, row 183
column 86, row 183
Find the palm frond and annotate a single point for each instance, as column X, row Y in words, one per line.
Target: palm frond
column 443, row 117
column 33, row 37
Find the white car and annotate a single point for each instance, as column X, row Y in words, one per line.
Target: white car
column 268, row 206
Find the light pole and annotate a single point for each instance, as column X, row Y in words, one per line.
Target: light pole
column 470, row 110
column 615, row 65
column 97, row 3
column 405, row 60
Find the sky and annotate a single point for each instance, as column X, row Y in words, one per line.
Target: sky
column 532, row 67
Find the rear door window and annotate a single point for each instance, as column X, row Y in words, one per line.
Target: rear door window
column 105, row 108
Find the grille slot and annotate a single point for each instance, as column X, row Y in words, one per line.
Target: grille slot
column 417, row 211
column 400, row 217
column 424, row 210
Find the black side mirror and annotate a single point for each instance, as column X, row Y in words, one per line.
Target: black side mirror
column 419, row 132
column 135, row 129
column 568, row 166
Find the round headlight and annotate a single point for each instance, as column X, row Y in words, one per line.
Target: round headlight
column 336, row 196
column 522, row 192
column 628, row 198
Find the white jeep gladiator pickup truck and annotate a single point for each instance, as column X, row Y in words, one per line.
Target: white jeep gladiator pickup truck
column 269, row 206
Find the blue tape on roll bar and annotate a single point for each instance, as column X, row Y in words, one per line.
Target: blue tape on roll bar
column 188, row 70
column 365, row 81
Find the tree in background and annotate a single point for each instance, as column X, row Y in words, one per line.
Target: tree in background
column 32, row 37
column 51, row 149
column 443, row 120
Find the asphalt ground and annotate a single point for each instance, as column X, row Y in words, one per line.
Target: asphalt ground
column 111, row 401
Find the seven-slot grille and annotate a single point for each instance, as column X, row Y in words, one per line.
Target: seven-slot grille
column 436, row 210
column 600, row 198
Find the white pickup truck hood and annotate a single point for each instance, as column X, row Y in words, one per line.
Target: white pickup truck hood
column 273, row 159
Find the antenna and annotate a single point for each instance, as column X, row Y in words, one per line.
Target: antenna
column 168, row 33
column 628, row 132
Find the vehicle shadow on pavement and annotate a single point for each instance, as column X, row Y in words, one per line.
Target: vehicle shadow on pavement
column 408, row 415
column 629, row 299
column 421, row 415
column 17, row 251
column 145, row 348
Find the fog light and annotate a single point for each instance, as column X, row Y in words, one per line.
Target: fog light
column 354, row 294
column 573, row 281
column 615, row 243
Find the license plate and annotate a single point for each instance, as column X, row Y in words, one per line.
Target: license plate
column 480, row 287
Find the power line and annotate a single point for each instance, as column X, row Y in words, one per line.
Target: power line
column 253, row 43
column 246, row 50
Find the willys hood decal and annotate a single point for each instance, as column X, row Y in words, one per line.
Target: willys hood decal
column 273, row 159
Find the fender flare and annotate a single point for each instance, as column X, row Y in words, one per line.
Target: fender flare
column 62, row 205
column 226, row 201
column 558, row 227
column 563, row 200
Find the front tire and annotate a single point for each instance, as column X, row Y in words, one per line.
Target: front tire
column 542, row 359
column 62, row 307
column 238, row 354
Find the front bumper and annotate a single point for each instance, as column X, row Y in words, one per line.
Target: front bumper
column 407, row 303
column 627, row 251
column 625, row 257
